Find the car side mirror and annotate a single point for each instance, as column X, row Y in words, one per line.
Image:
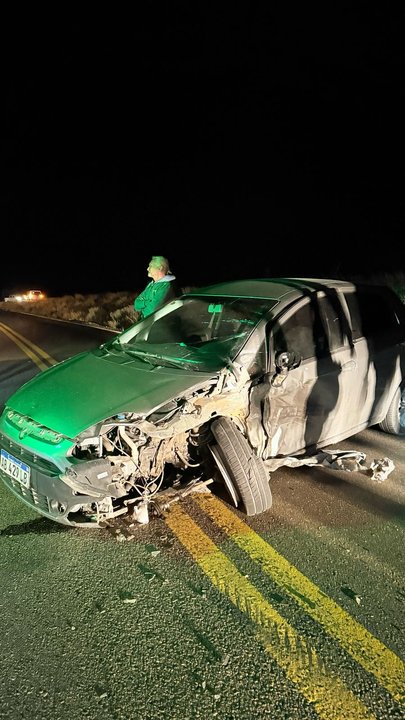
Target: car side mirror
column 287, row 360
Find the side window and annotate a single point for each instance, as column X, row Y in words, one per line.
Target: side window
column 372, row 314
column 332, row 316
column 297, row 333
column 315, row 329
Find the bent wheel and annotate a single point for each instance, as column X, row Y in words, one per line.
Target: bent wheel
column 244, row 474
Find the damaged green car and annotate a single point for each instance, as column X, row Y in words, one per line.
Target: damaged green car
column 224, row 384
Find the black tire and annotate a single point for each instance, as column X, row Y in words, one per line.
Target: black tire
column 240, row 467
column 394, row 421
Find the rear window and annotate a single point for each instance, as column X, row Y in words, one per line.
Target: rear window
column 373, row 314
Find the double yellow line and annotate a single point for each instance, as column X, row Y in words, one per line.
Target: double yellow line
column 294, row 654
column 34, row 352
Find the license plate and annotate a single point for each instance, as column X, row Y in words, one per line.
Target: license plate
column 15, row 469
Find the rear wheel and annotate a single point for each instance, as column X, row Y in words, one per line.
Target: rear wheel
column 394, row 421
column 243, row 473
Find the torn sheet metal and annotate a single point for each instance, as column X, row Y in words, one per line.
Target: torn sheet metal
column 343, row 460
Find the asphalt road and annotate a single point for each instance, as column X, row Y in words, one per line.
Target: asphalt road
column 294, row 614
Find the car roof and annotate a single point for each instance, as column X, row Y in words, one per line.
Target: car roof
column 271, row 288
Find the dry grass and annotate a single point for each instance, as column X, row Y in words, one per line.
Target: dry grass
column 111, row 310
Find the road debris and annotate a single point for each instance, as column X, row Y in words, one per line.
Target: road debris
column 343, row 460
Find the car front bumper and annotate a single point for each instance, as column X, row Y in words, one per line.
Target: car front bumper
column 46, row 493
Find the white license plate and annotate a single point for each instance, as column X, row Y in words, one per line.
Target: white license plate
column 14, row 468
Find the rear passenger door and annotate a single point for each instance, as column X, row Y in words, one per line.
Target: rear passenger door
column 376, row 337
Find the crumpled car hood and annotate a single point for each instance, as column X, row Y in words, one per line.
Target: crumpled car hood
column 86, row 389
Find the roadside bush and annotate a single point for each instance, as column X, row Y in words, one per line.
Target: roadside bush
column 111, row 310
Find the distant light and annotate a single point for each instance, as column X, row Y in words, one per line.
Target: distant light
column 33, row 295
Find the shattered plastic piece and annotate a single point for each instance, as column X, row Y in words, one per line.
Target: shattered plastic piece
column 381, row 469
column 141, row 513
column 346, row 460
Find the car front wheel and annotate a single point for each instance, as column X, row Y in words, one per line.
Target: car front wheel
column 243, row 473
column 394, row 421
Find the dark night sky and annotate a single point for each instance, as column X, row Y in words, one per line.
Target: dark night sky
column 189, row 129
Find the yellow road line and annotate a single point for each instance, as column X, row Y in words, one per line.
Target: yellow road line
column 34, row 352
column 327, row 693
column 369, row 652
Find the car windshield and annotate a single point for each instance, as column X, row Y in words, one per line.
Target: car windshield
column 194, row 332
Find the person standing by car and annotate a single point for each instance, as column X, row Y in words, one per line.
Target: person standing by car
column 160, row 290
